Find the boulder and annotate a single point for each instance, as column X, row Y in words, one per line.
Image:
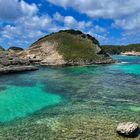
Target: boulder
column 127, row 129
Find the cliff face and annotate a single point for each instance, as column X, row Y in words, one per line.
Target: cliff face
column 45, row 52
column 67, row 47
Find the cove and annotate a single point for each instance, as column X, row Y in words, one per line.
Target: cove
column 92, row 99
column 18, row 101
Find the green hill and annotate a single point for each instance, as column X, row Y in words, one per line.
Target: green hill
column 68, row 47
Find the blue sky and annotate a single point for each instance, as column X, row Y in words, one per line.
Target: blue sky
column 111, row 21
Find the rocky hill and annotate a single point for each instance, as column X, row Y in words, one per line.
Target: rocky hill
column 14, row 49
column 68, row 47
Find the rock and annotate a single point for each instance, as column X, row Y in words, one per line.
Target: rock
column 11, row 63
column 127, row 129
column 15, row 49
column 15, row 69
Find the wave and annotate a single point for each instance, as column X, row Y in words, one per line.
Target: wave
column 124, row 62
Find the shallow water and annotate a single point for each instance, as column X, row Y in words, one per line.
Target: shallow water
column 18, row 101
column 70, row 103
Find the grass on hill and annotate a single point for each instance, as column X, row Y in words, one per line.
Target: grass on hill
column 74, row 45
column 112, row 49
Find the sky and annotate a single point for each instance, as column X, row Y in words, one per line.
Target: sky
column 113, row 22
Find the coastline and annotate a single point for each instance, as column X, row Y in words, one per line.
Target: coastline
column 16, row 69
column 132, row 53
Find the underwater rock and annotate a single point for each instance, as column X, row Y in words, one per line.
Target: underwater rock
column 127, row 129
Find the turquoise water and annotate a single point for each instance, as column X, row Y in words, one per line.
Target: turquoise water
column 18, row 101
column 130, row 65
column 57, row 103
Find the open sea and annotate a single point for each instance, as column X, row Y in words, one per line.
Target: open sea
column 70, row 103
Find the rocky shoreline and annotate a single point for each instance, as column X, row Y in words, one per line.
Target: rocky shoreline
column 133, row 53
column 11, row 63
column 16, row 69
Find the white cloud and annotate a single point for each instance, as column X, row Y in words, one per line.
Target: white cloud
column 26, row 28
column 58, row 17
column 28, row 9
column 30, row 28
column 129, row 23
column 29, row 24
column 9, row 9
column 63, row 3
column 71, row 22
column 101, row 8
column 124, row 14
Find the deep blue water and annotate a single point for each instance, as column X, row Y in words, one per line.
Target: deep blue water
column 75, row 99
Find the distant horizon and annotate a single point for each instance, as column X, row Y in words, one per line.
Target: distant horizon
column 22, row 22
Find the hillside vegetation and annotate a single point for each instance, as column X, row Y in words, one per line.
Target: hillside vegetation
column 74, row 47
column 112, row 49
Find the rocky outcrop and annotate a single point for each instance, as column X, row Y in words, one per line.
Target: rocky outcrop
column 67, row 47
column 46, row 54
column 15, row 69
column 127, row 129
column 15, row 49
column 132, row 53
column 10, row 63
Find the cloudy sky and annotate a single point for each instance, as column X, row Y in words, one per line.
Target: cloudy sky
column 110, row 21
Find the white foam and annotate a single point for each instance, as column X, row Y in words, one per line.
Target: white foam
column 123, row 62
